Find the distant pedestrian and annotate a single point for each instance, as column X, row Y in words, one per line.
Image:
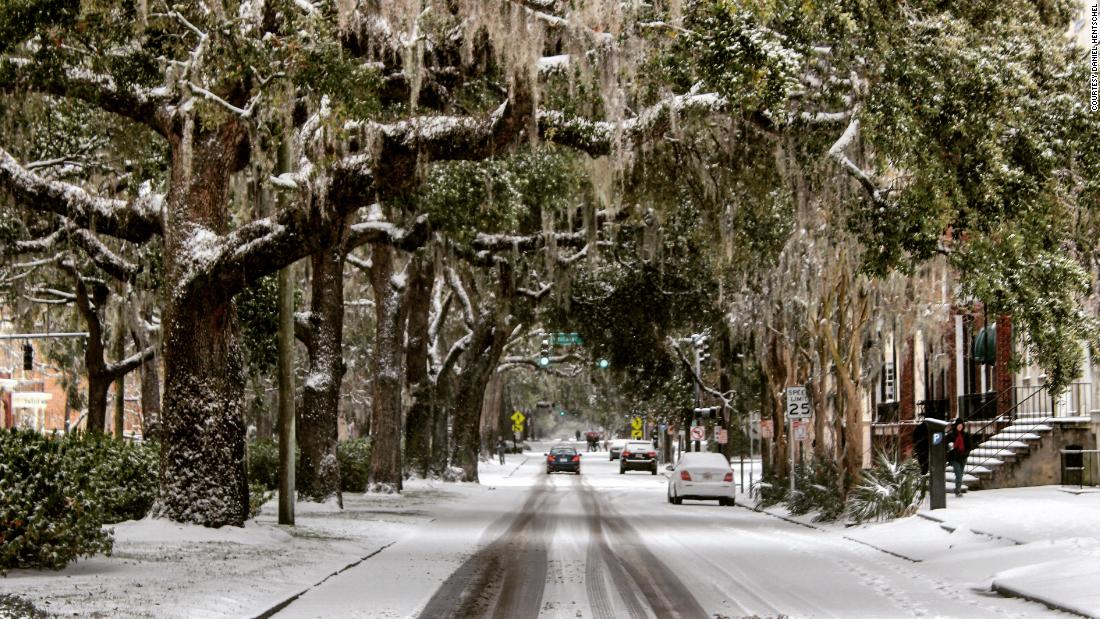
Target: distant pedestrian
column 958, row 448
column 501, row 446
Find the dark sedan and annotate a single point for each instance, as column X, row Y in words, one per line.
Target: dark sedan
column 638, row 455
column 563, row 459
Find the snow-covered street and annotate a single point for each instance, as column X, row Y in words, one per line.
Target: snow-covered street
column 527, row 544
column 608, row 545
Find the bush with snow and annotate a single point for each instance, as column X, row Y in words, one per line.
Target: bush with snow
column 262, row 462
column 889, row 490
column 354, row 457
column 51, row 503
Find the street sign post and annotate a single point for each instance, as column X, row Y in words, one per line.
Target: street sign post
column 721, row 436
column 636, row 428
column 517, row 422
column 798, row 408
column 698, row 433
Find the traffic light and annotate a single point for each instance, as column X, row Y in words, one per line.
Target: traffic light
column 702, row 345
column 544, row 355
column 28, row 356
column 603, row 364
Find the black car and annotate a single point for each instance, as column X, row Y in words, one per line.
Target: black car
column 638, row 456
column 564, row 459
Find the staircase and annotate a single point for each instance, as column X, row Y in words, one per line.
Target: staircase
column 1010, row 445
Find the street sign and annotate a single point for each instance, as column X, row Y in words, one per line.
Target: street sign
column 722, row 436
column 698, row 433
column 517, row 421
column 636, row 428
column 800, row 430
column 567, row 339
column 766, row 430
column 798, row 403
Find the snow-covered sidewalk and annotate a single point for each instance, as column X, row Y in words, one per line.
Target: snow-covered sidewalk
column 163, row 569
column 1040, row 544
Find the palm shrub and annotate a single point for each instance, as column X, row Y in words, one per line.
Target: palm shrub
column 770, row 490
column 51, row 508
column 889, row 490
column 817, row 489
column 354, row 457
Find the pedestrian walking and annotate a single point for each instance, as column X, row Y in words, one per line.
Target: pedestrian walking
column 958, row 448
column 501, row 446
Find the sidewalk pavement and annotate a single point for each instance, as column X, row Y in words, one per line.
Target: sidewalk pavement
column 1040, row 543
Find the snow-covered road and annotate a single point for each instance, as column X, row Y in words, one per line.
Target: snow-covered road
column 608, row 545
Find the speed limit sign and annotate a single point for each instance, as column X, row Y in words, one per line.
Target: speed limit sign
column 798, row 403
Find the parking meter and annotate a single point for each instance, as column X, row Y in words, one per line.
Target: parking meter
column 937, row 463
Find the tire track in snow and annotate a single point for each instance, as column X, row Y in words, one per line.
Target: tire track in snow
column 479, row 587
column 632, row 562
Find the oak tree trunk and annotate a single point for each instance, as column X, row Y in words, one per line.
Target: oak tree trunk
column 418, row 420
column 318, row 468
column 385, row 463
column 486, row 346
column 202, row 475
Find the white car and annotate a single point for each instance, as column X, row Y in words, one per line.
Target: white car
column 700, row 475
column 616, row 449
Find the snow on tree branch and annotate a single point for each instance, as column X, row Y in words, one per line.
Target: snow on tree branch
column 145, row 106
column 137, row 220
column 836, row 151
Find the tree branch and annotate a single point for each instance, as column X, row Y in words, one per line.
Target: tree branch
column 136, row 220
column 145, row 106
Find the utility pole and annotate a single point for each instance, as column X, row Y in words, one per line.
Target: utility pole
column 120, row 381
column 287, row 427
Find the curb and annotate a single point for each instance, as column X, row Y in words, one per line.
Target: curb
column 845, row 537
column 288, row 601
column 518, row 467
column 952, row 528
column 1013, row 593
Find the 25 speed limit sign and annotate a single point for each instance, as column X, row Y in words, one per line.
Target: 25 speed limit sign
column 798, row 403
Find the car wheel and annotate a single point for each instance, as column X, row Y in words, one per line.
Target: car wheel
column 622, row 471
column 669, row 496
column 653, row 471
column 725, row 502
column 675, row 499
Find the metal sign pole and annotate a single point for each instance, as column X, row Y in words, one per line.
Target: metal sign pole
column 790, row 444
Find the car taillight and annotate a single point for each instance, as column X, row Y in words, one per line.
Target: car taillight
column 550, row 458
column 576, row 458
column 685, row 476
column 728, row 477
column 626, row 452
column 652, row 454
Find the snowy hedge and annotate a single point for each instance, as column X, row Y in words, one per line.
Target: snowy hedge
column 50, row 510
column 353, row 455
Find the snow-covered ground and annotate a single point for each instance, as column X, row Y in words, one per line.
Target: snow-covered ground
column 524, row 544
column 162, row 569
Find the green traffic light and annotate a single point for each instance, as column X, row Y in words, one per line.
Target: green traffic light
column 544, row 361
column 603, row 363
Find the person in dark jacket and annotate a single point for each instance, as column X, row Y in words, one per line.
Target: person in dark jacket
column 958, row 448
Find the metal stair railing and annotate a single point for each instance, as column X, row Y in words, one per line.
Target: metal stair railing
column 1009, row 416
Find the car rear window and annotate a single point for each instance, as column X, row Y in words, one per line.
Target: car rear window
column 639, row 446
column 704, row 459
column 563, row 450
